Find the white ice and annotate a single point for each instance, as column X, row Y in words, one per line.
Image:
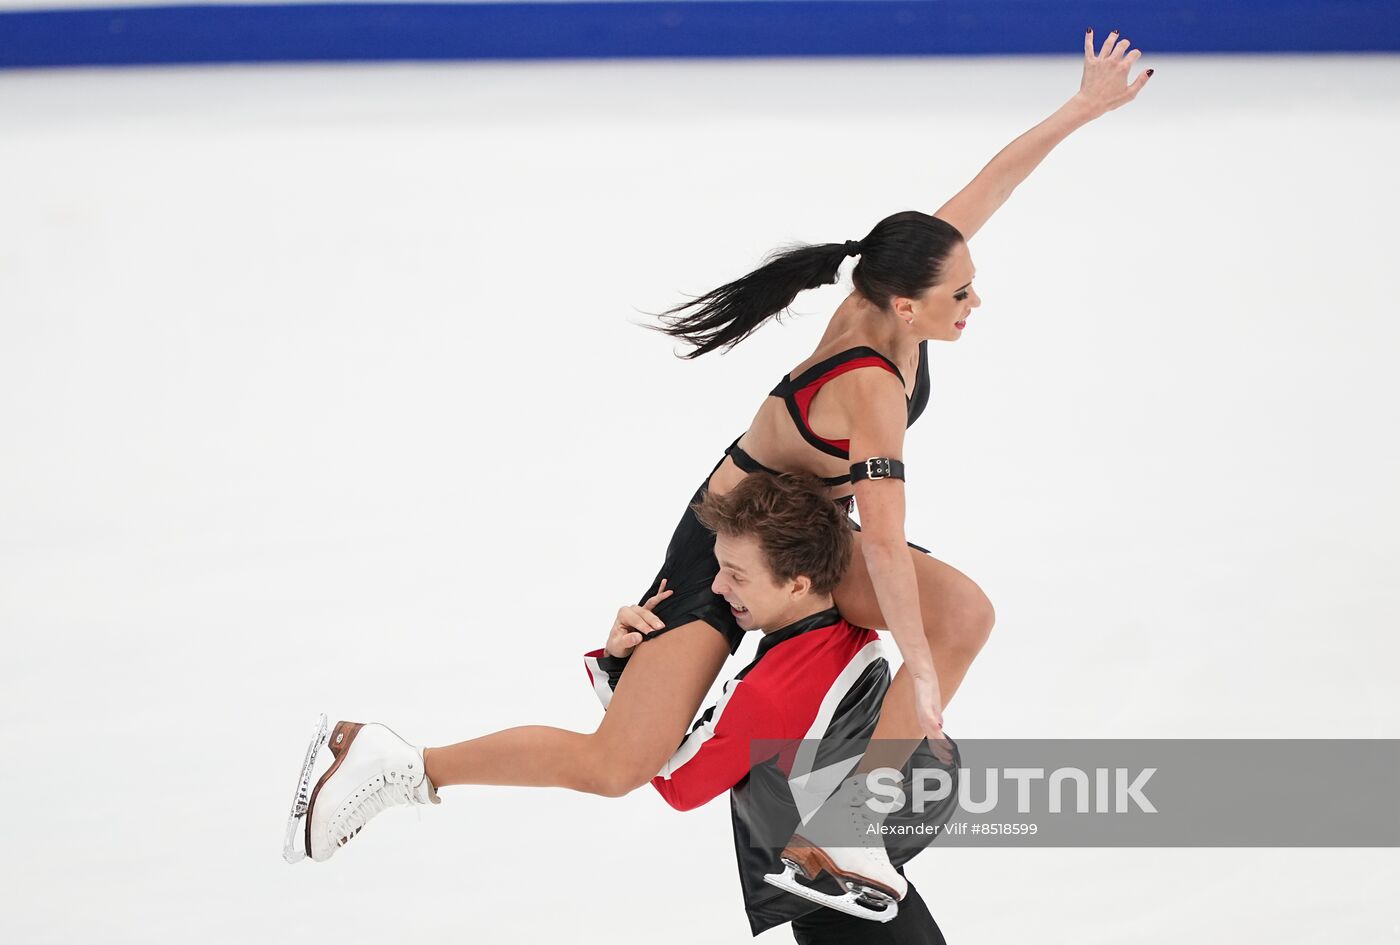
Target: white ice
column 321, row 389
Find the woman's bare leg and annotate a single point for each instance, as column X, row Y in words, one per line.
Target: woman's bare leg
column 957, row 617
column 649, row 713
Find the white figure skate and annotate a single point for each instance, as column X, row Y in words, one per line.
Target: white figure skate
column 374, row 769
column 857, row 861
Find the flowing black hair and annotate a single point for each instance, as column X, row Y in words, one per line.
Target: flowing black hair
column 903, row 255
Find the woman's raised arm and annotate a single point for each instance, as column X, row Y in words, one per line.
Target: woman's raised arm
column 1103, row 88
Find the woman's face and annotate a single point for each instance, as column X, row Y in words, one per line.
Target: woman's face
column 941, row 312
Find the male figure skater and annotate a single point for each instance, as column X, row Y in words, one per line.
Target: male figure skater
column 792, row 722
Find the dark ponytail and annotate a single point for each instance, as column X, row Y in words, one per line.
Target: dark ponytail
column 902, row 256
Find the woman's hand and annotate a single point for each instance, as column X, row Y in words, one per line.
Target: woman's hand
column 634, row 621
column 1104, row 87
column 1105, row 84
column 928, row 703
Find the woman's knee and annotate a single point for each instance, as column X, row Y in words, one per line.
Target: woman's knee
column 981, row 619
column 611, row 772
column 967, row 620
column 616, row 780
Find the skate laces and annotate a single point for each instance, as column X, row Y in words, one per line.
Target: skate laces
column 389, row 794
column 861, row 813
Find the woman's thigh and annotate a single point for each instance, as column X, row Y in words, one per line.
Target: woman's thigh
column 659, row 695
column 946, row 595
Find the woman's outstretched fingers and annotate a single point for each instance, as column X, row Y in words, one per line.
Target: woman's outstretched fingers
column 1109, row 41
column 1105, row 84
column 1137, row 85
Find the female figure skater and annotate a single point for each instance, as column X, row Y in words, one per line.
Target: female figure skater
column 841, row 415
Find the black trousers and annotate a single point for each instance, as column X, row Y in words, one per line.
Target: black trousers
column 913, row 926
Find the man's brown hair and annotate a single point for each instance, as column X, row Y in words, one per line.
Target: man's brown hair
column 799, row 528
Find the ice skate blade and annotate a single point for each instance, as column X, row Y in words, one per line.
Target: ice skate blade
column 302, row 800
column 852, row 903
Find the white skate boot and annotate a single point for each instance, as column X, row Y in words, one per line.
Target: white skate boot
column 374, row 769
column 853, row 855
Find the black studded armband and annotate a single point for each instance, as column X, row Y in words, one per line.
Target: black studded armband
column 880, row 467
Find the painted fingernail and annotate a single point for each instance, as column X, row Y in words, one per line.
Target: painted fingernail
column 1089, row 30
column 1150, row 71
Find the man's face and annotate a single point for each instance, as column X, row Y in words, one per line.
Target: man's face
column 755, row 597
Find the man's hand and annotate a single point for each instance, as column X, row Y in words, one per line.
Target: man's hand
column 632, row 622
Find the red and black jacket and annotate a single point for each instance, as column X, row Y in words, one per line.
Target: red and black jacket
column 809, row 698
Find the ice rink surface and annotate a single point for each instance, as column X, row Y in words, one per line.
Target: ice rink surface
column 321, row 389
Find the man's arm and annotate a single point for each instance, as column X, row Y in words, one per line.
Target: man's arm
column 604, row 671
column 718, row 752
column 605, row 665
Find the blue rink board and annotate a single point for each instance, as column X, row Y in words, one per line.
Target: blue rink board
column 694, row 28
